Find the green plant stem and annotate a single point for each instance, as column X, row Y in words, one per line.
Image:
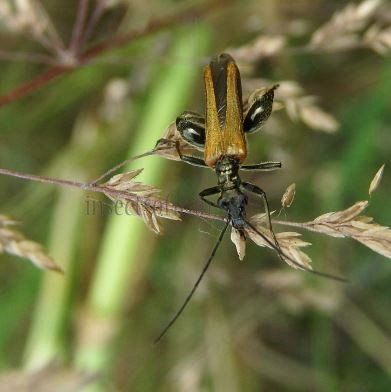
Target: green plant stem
column 45, row 342
column 46, row 335
column 126, row 236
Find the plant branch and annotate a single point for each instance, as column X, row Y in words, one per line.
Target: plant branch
column 152, row 202
column 93, row 21
column 118, row 194
column 188, row 15
column 291, row 224
column 30, row 57
column 77, row 33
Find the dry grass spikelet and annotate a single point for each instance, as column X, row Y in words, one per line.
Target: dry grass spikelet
column 263, row 46
column 15, row 243
column 145, row 205
column 289, row 243
column 304, row 108
column 239, row 241
column 378, row 39
column 26, row 17
column 343, row 29
column 376, row 180
column 288, row 196
column 349, row 223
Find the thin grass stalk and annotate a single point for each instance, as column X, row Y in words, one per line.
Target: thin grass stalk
column 220, row 349
column 364, row 119
column 45, row 341
column 125, row 236
column 323, row 353
column 371, row 338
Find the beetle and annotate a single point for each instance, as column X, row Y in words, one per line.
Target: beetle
column 221, row 135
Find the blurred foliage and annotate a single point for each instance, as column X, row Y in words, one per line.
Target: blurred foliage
column 252, row 326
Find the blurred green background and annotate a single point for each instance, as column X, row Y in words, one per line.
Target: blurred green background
column 255, row 325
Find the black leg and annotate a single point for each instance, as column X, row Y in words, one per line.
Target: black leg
column 209, row 192
column 260, row 192
column 193, row 160
column 190, row 159
column 265, row 166
column 185, row 158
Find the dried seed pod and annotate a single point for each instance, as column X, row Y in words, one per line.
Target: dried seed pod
column 341, row 30
column 146, row 205
column 14, row 242
column 288, row 196
column 349, row 223
column 289, row 242
column 376, row 180
column 239, row 240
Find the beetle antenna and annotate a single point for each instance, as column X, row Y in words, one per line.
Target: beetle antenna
column 281, row 255
column 188, row 298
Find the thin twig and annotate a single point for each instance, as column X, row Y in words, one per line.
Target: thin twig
column 44, row 41
column 292, row 224
column 118, row 194
column 49, row 38
column 34, row 84
column 110, row 192
column 30, row 57
column 94, row 19
column 189, row 15
column 77, row 33
column 123, row 163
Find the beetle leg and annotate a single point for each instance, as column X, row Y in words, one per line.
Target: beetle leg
column 263, row 166
column 209, row 192
column 260, row 192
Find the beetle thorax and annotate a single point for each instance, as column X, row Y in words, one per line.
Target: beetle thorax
column 227, row 170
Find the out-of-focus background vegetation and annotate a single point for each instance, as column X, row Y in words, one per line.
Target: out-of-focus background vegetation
column 253, row 325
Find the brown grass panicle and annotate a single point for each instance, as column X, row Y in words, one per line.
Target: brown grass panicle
column 15, row 243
